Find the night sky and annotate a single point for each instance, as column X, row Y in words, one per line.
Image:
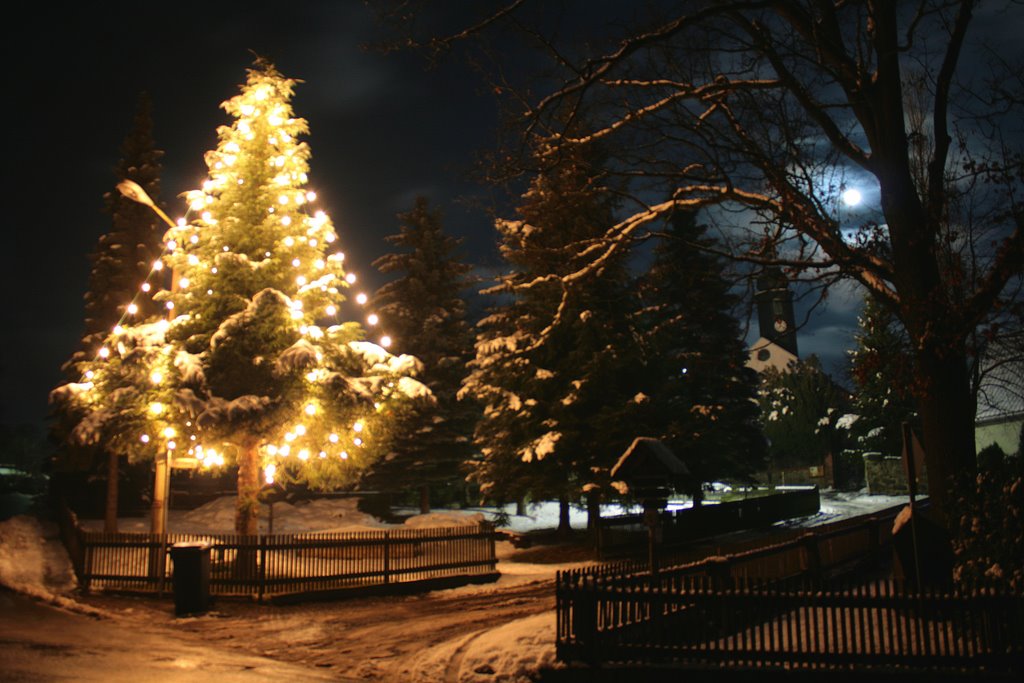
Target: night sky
column 384, row 129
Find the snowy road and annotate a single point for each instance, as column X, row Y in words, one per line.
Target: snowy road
column 437, row 637
column 42, row 643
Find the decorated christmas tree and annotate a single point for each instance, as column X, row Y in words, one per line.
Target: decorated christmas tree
column 256, row 364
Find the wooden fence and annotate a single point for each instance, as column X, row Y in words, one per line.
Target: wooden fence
column 877, row 624
column 784, row 605
column 624, row 534
column 292, row 564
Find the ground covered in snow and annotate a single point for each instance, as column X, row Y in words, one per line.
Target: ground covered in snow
column 475, row 634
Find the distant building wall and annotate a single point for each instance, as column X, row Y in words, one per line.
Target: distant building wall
column 1005, row 434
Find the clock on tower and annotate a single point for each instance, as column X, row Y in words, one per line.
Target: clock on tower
column 775, row 318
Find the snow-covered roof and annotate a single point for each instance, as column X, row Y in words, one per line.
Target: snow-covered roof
column 1001, row 393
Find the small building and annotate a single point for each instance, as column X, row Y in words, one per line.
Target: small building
column 1000, row 411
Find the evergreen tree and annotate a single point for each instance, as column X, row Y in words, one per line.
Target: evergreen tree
column 881, row 368
column 701, row 396
column 800, row 411
column 544, row 385
column 256, row 364
column 125, row 254
column 122, row 261
column 427, row 315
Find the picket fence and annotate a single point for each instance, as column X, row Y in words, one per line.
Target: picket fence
column 290, row 565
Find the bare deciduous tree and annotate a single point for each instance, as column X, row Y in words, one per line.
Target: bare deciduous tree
column 763, row 111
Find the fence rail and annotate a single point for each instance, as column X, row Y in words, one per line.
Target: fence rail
column 291, row 564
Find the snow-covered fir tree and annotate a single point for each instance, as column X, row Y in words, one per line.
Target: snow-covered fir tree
column 426, row 314
column 699, row 396
column 880, row 365
column 257, row 364
column 552, row 391
column 801, row 414
column 122, row 261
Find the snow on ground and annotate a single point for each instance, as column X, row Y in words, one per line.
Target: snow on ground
column 33, row 561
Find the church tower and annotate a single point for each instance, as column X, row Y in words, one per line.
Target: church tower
column 776, row 322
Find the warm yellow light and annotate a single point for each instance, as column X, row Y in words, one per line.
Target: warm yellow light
column 296, row 262
column 311, row 376
column 184, row 282
column 169, row 432
column 170, row 305
column 193, row 260
column 146, row 287
column 357, row 441
column 285, row 450
column 271, row 449
column 385, row 341
column 89, row 374
column 194, row 239
column 310, row 409
column 372, row 319
column 144, row 438
column 344, row 455
column 300, row 280
column 304, row 454
column 286, row 220
column 156, row 377
column 357, row 427
column 171, row 445
column 361, row 298
column 247, row 110
column 331, row 310
column 333, row 438
column 289, row 241
column 118, row 329
column 311, row 196
column 104, row 352
column 171, row 245
column 158, row 265
column 322, row 454
column 289, row 437
column 282, row 199
column 207, row 216
column 132, row 309
column 350, row 278
column 300, row 430
column 296, row 314
column 319, row 263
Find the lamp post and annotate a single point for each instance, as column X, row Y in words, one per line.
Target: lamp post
column 162, row 470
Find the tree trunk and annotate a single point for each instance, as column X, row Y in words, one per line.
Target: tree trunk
column 564, row 527
column 947, row 422
column 110, row 518
column 593, row 513
column 521, row 506
column 424, row 499
column 247, row 503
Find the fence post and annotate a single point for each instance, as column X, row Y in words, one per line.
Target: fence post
column 387, row 557
column 812, row 556
column 719, row 570
column 584, row 618
column 261, row 577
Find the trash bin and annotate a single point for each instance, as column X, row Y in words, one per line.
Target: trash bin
column 191, row 563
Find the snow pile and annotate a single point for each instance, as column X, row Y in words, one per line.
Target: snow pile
column 33, row 560
column 444, row 518
column 511, row 653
